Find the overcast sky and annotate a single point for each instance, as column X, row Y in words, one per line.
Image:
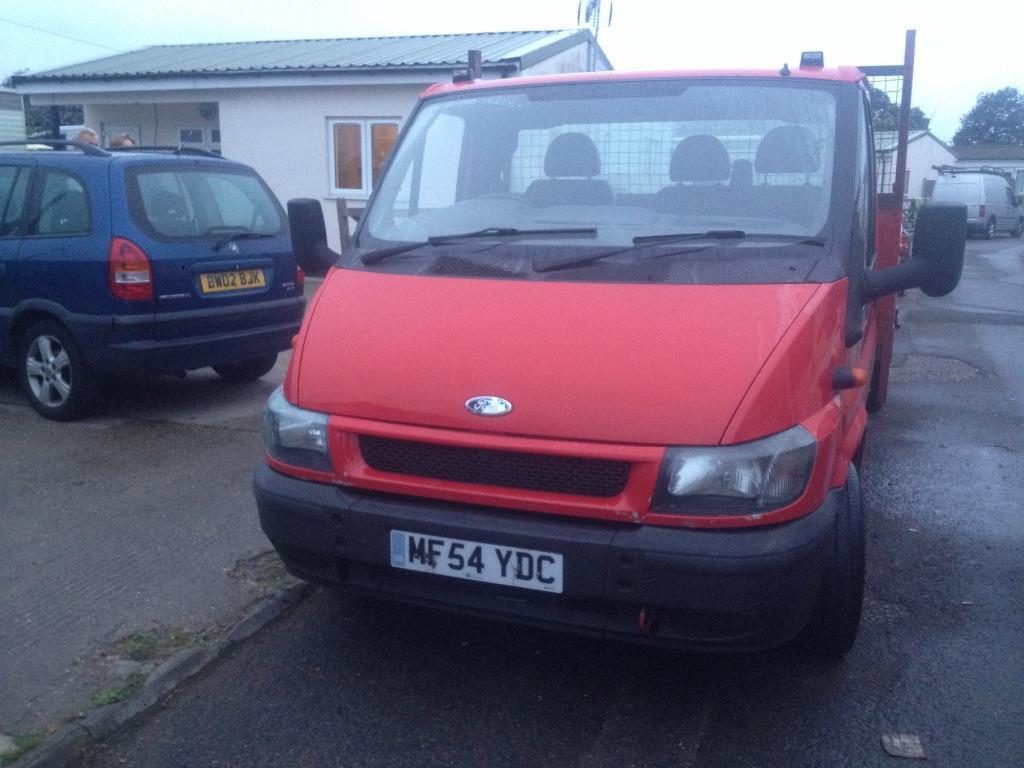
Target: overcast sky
column 962, row 49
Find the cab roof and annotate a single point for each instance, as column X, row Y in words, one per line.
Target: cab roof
column 832, row 74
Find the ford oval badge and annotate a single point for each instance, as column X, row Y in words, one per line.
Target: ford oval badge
column 488, row 405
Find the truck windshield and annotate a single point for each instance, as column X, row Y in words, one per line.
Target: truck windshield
column 629, row 159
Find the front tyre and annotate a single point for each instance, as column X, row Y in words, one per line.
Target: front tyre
column 833, row 628
column 247, row 370
column 53, row 373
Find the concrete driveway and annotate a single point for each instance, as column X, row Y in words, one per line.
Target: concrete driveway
column 137, row 522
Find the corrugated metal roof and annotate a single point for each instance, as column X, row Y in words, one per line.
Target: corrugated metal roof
column 352, row 53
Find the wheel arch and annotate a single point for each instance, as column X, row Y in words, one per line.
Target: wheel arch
column 30, row 312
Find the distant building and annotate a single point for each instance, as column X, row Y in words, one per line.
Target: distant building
column 1008, row 158
column 316, row 118
column 924, row 151
column 12, row 116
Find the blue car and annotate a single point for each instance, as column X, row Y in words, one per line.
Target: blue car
column 138, row 262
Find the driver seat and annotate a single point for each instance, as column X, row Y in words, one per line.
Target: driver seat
column 570, row 163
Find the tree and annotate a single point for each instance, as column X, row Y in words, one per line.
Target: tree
column 996, row 118
column 886, row 115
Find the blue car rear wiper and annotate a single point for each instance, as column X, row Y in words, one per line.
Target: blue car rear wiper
column 643, row 241
column 372, row 257
column 247, row 235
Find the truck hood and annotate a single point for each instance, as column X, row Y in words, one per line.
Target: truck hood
column 619, row 363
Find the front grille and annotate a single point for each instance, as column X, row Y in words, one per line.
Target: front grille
column 507, row 469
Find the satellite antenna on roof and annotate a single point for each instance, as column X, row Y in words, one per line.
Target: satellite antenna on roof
column 589, row 12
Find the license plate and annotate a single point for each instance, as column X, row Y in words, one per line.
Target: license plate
column 238, row 280
column 476, row 561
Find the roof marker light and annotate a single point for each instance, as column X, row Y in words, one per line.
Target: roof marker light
column 812, row 60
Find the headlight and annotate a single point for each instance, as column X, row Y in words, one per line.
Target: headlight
column 736, row 479
column 294, row 435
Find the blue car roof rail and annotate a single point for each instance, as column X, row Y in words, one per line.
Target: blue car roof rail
column 174, row 150
column 31, row 144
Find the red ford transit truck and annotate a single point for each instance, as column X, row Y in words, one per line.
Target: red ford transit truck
column 601, row 356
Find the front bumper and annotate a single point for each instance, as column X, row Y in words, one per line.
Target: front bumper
column 720, row 590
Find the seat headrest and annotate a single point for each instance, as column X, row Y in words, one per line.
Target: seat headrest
column 742, row 174
column 167, row 205
column 699, row 158
column 787, row 149
column 572, row 155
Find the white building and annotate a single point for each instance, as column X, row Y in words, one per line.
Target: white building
column 12, row 116
column 316, row 118
column 924, row 151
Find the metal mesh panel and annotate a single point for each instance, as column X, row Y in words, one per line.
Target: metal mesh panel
column 531, row 471
column 886, row 130
column 635, row 157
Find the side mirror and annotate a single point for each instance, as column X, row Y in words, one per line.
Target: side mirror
column 937, row 258
column 309, row 236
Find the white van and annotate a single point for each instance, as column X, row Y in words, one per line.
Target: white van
column 991, row 205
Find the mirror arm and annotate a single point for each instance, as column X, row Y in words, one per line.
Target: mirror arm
column 882, row 282
column 325, row 254
column 899, row 278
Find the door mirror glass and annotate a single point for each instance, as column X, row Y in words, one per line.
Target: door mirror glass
column 937, row 258
column 309, row 236
column 940, row 237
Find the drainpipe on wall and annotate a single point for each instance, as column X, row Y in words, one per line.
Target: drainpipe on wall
column 53, row 117
column 476, row 65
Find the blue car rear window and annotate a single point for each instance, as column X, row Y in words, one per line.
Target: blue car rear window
column 193, row 203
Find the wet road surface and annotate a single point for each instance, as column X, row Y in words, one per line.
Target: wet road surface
column 940, row 654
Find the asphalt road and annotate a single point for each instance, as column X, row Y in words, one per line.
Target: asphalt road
column 940, row 655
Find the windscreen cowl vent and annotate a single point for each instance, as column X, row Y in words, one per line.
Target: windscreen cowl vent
column 456, row 267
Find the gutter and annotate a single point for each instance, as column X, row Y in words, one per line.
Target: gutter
column 45, row 83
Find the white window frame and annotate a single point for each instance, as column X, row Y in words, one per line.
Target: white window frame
column 366, row 151
column 207, row 133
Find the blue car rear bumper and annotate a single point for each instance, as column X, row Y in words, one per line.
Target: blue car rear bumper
column 155, row 343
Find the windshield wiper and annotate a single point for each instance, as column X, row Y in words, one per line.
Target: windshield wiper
column 372, row 257
column 639, row 243
column 647, row 241
column 246, row 235
column 679, row 237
